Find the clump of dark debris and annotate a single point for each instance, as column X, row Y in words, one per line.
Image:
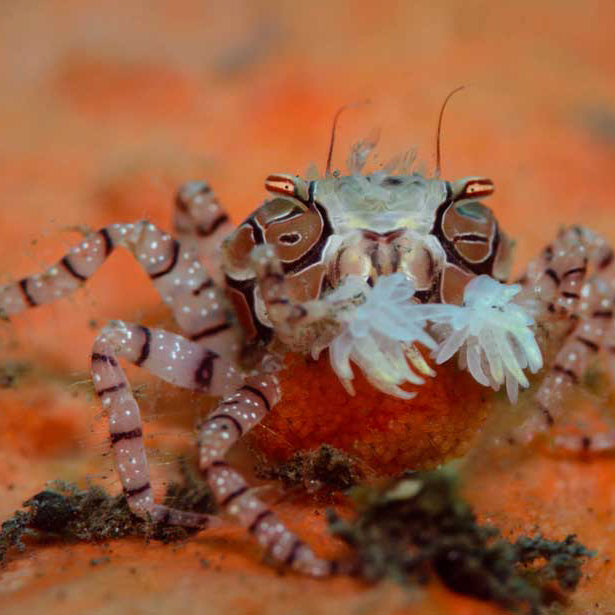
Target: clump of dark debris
column 419, row 526
column 323, row 468
column 66, row 512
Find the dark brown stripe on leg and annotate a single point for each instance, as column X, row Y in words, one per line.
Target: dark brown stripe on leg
column 108, row 242
column 104, row 358
column 171, row 265
column 65, row 262
column 253, row 527
column 548, row 416
column 130, row 493
column 606, row 261
column 145, row 349
column 210, row 331
column 588, row 343
column 261, row 396
column 111, row 389
column 231, row 496
column 219, row 464
column 202, row 231
column 551, row 273
column 23, row 285
column 581, row 270
column 205, row 370
column 566, row 372
column 209, row 283
column 125, row 435
column 292, row 554
column 228, row 417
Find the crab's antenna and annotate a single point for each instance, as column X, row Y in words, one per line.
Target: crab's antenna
column 439, row 133
column 336, row 118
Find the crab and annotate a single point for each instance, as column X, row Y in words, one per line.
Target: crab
column 376, row 268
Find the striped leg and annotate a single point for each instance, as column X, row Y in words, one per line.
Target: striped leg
column 198, row 305
column 200, row 221
column 556, row 277
column 235, row 416
column 176, row 360
column 580, row 348
column 596, row 335
column 591, row 334
column 285, row 314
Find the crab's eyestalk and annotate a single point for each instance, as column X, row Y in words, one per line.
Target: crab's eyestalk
column 287, row 185
column 472, row 188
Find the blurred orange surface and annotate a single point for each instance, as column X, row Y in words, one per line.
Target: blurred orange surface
column 107, row 107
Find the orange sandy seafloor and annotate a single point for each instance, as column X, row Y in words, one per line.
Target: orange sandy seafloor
column 106, row 108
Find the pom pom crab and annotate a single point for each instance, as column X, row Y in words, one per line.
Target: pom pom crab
column 374, row 267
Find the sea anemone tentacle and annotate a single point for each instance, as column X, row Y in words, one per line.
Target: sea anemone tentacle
column 379, row 333
column 492, row 334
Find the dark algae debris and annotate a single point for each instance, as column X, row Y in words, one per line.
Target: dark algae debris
column 408, row 530
column 419, row 526
column 66, row 512
column 325, row 467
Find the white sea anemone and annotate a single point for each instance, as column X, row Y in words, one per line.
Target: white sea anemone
column 379, row 334
column 492, row 334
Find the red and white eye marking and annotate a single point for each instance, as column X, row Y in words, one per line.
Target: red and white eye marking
column 476, row 188
column 280, row 184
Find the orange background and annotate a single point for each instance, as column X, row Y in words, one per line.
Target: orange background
column 106, row 106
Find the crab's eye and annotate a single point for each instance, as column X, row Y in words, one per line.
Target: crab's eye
column 471, row 228
column 472, row 188
column 287, row 185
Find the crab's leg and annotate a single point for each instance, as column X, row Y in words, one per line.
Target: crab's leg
column 594, row 336
column 198, row 304
column 200, row 221
column 234, row 417
column 557, row 280
column 580, row 348
column 556, row 277
column 285, row 314
column 172, row 358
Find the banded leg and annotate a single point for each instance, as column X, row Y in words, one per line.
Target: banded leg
column 235, row 416
column 556, row 277
column 198, row 305
column 590, row 308
column 598, row 336
column 285, row 314
column 580, row 348
column 172, row 358
column 200, row 221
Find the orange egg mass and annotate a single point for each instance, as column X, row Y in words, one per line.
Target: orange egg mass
column 384, row 434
